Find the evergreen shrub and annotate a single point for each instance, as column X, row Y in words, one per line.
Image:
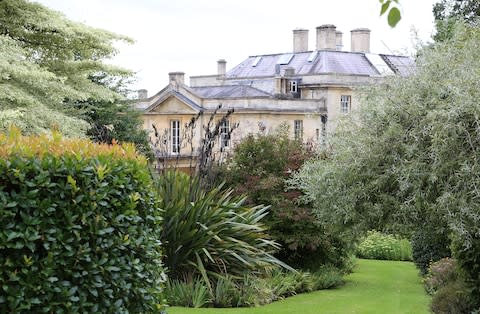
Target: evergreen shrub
column 77, row 228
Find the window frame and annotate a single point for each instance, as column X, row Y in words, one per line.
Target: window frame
column 345, row 104
column 224, row 131
column 175, row 137
column 298, row 129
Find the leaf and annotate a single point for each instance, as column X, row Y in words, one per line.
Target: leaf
column 385, row 7
column 394, row 17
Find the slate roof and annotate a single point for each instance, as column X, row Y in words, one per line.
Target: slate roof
column 229, row 91
column 317, row 62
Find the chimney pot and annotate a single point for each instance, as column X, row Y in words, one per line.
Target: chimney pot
column 360, row 39
column 326, row 37
column 300, row 40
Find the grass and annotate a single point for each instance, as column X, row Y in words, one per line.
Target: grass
column 374, row 287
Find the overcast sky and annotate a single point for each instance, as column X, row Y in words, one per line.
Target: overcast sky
column 191, row 35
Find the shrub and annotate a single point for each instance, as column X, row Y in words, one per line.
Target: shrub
column 440, row 273
column 207, row 233
column 193, row 293
column 468, row 259
column 77, row 228
column 259, row 168
column 430, row 243
column 450, row 292
column 385, row 247
column 452, row 298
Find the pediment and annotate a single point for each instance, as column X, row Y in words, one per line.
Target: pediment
column 173, row 105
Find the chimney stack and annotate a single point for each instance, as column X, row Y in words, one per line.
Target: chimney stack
column 339, row 42
column 360, row 40
column 326, row 37
column 142, row 93
column 300, row 40
column 177, row 77
column 221, row 67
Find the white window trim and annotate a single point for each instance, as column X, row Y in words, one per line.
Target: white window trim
column 345, row 104
column 224, row 134
column 175, row 139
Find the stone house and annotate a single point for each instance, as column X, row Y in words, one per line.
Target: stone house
column 305, row 89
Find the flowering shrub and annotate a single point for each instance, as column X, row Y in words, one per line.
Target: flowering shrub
column 384, row 246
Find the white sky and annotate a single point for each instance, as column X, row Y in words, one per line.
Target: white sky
column 191, row 35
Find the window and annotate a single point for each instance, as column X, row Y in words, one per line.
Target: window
column 293, row 85
column 298, row 129
column 345, row 103
column 324, row 129
column 224, row 134
column 175, row 136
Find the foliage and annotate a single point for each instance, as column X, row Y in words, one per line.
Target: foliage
column 78, row 228
column 452, row 298
column 207, row 233
column 258, row 168
column 251, row 290
column 117, row 122
column 450, row 293
column 394, row 15
column 412, row 155
column 384, row 246
column 447, row 12
column 50, row 65
column 430, row 243
column 440, row 273
column 375, row 287
column 190, row 294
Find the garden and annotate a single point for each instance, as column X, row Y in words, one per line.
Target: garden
column 383, row 218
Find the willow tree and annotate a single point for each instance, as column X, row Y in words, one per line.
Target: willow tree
column 410, row 159
column 51, row 67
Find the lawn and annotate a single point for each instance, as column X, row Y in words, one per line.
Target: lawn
column 374, row 287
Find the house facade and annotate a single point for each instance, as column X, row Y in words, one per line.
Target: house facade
column 306, row 90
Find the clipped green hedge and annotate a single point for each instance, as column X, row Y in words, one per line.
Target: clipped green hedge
column 77, row 228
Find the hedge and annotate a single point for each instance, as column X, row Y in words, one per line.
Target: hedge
column 78, row 228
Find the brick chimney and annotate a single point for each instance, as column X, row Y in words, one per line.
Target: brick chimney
column 326, row 37
column 300, row 40
column 221, row 67
column 360, row 40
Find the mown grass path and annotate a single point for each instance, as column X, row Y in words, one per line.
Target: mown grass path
column 385, row 287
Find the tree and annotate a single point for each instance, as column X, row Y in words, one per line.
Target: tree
column 258, row 168
column 49, row 65
column 446, row 12
column 411, row 155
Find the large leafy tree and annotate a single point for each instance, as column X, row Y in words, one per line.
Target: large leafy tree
column 411, row 156
column 446, row 12
column 53, row 74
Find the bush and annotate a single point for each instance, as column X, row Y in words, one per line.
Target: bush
column 453, row 298
column 259, row 168
column 430, row 243
column 189, row 294
column 450, row 292
column 440, row 274
column 468, row 259
column 77, row 228
column 384, row 247
column 211, row 233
